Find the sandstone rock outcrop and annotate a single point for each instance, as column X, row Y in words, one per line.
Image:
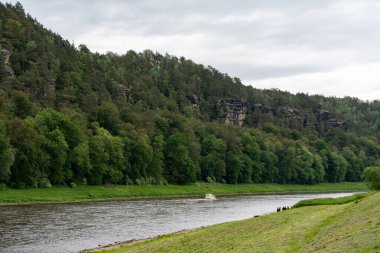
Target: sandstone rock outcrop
column 193, row 99
column 125, row 92
column 232, row 111
column 6, row 56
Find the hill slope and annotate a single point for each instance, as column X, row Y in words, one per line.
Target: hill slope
column 69, row 115
column 353, row 227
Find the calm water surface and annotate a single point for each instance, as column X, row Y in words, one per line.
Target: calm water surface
column 74, row 227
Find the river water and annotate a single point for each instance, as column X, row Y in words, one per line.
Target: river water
column 77, row 226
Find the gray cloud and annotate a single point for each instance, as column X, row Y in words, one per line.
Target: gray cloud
column 271, row 43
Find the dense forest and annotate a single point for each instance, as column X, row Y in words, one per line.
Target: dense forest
column 70, row 116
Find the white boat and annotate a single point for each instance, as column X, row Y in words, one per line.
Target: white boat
column 210, row 196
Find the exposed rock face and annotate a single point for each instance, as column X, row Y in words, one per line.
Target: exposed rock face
column 322, row 115
column 268, row 109
column 305, row 121
column 293, row 111
column 6, row 55
column 259, row 106
column 125, row 92
column 10, row 71
column 336, row 123
column 264, row 108
column 193, row 99
column 295, row 115
column 233, row 111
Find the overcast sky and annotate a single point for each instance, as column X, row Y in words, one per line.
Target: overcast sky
column 329, row 47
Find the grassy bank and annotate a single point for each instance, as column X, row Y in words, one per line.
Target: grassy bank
column 352, row 227
column 84, row 193
column 331, row 201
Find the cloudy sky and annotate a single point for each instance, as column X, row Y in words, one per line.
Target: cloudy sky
column 329, row 47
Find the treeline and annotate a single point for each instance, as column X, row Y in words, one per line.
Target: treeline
column 64, row 147
column 71, row 116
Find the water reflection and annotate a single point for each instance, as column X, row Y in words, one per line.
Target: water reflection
column 74, row 227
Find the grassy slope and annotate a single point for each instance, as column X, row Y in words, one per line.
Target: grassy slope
column 331, row 201
column 122, row 192
column 352, row 227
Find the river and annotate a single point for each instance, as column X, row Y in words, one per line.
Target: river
column 76, row 226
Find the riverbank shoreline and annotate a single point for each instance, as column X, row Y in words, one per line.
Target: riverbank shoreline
column 116, row 245
column 173, row 197
column 320, row 228
column 82, row 194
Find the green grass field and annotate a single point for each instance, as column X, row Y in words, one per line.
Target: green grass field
column 85, row 193
column 352, row 227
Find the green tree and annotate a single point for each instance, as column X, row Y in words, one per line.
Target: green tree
column 31, row 50
column 298, row 165
column 372, row 177
column 108, row 117
column 270, row 161
column 287, row 171
column 319, row 170
column 22, row 107
column 3, row 71
column 157, row 165
column 337, row 167
column 247, row 170
column 179, row 166
column 6, row 154
column 355, row 165
column 139, row 153
column 213, row 158
column 80, row 162
column 107, row 158
column 234, row 167
column 56, row 147
column 58, row 137
column 29, row 159
column 48, row 120
column 304, row 162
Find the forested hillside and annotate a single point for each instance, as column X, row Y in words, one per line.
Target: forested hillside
column 68, row 115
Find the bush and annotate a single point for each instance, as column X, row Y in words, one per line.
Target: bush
column 20, row 185
column 44, row 183
column 34, row 182
column 162, row 181
column 2, row 186
column 147, row 181
column 150, row 180
column 128, row 181
column 210, row 179
column 140, row 181
column 372, row 177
